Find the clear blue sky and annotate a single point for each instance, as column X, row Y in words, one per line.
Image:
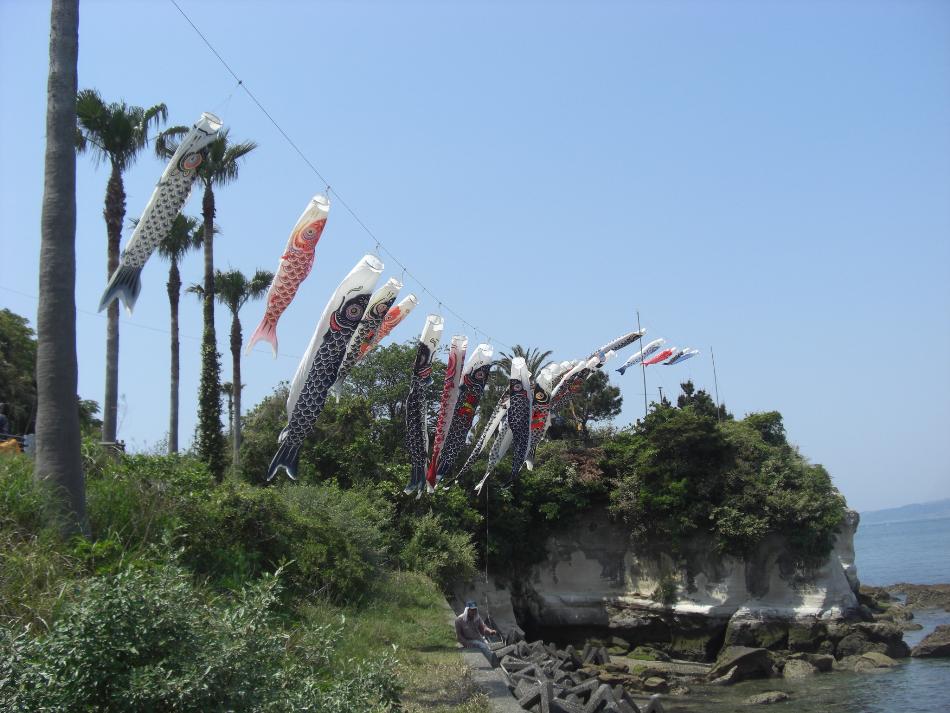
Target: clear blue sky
column 771, row 179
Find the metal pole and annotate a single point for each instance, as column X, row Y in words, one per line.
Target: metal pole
column 643, row 370
column 716, row 384
column 661, row 395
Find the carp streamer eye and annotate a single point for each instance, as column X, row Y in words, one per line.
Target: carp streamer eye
column 480, row 376
column 353, row 311
column 380, row 309
column 191, row 162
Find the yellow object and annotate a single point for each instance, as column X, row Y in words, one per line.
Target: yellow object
column 9, row 446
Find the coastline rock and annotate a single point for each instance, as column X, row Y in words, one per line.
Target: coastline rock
column 870, row 661
column 855, row 644
column 766, row 698
column 935, row 644
column 798, row 668
column 756, row 632
column 924, row 596
column 741, row 663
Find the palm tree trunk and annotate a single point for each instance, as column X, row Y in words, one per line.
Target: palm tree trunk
column 114, row 214
column 207, row 213
column 174, row 292
column 211, row 444
column 236, row 387
column 57, row 419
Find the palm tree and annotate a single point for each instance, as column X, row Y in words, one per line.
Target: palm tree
column 58, row 457
column 185, row 235
column 220, row 167
column 534, row 357
column 234, row 290
column 227, row 391
column 116, row 133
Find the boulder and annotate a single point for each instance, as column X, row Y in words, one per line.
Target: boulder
column 767, row 697
column 935, row 644
column 869, row 661
column 872, row 661
column 748, row 662
column 803, row 636
column 648, row 653
column 887, row 633
column 757, row 633
column 855, row 644
column 822, row 662
column 655, row 684
column 798, row 668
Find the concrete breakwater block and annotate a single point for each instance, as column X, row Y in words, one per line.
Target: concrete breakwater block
column 545, row 679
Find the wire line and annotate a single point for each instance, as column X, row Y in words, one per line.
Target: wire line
column 329, row 189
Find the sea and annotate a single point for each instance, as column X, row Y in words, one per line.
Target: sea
column 914, row 551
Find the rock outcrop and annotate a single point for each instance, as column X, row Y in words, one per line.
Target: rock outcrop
column 594, row 584
column 935, row 644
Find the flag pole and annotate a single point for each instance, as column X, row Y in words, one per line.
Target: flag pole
column 716, row 384
column 643, row 370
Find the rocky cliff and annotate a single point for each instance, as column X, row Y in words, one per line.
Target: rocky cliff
column 594, row 584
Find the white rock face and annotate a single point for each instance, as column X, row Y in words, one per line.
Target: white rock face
column 592, row 576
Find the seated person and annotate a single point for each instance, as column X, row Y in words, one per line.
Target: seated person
column 470, row 631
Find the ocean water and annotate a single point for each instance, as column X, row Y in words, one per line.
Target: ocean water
column 916, row 551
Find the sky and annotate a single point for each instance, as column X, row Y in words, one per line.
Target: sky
column 766, row 181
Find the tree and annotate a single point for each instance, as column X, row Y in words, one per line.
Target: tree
column 233, row 291
column 497, row 386
column 58, row 459
column 219, row 168
column 184, row 236
column 597, row 401
column 17, row 370
column 701, row 402
column 116, row 133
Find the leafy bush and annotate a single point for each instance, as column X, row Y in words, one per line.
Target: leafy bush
column 331, row 540
column 682, row 472
column 443, row 555
column 146, row 639
column 566, row 480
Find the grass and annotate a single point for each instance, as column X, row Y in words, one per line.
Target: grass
column 407, row 613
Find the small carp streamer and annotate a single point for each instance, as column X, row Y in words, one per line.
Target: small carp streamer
column 450, row 392
column 541, row 407
column 642, row 354
column 514, row 432
column 619, row 343
column 395, row 315
column 417, row 433
column 519, row 413
column 474, row 378
column 494, row 423
column 683, row 355
column 662, row 356
column 294, row 266
column 379, row 304
column 160, row 212
column 318, row 369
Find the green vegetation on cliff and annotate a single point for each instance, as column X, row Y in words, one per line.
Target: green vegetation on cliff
column 193, row 594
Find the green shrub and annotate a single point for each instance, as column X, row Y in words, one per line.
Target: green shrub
column 146, row 639
column 443, row 555
column 331, row 540
column 681, row 472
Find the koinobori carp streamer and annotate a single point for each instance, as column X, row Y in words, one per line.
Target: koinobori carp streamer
column 642, row 354
column 450, row 392
column 474, row 378
column 318, row 369
column 379, row 305
column 417, row 434
column 295, row 264
column 160, row 212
